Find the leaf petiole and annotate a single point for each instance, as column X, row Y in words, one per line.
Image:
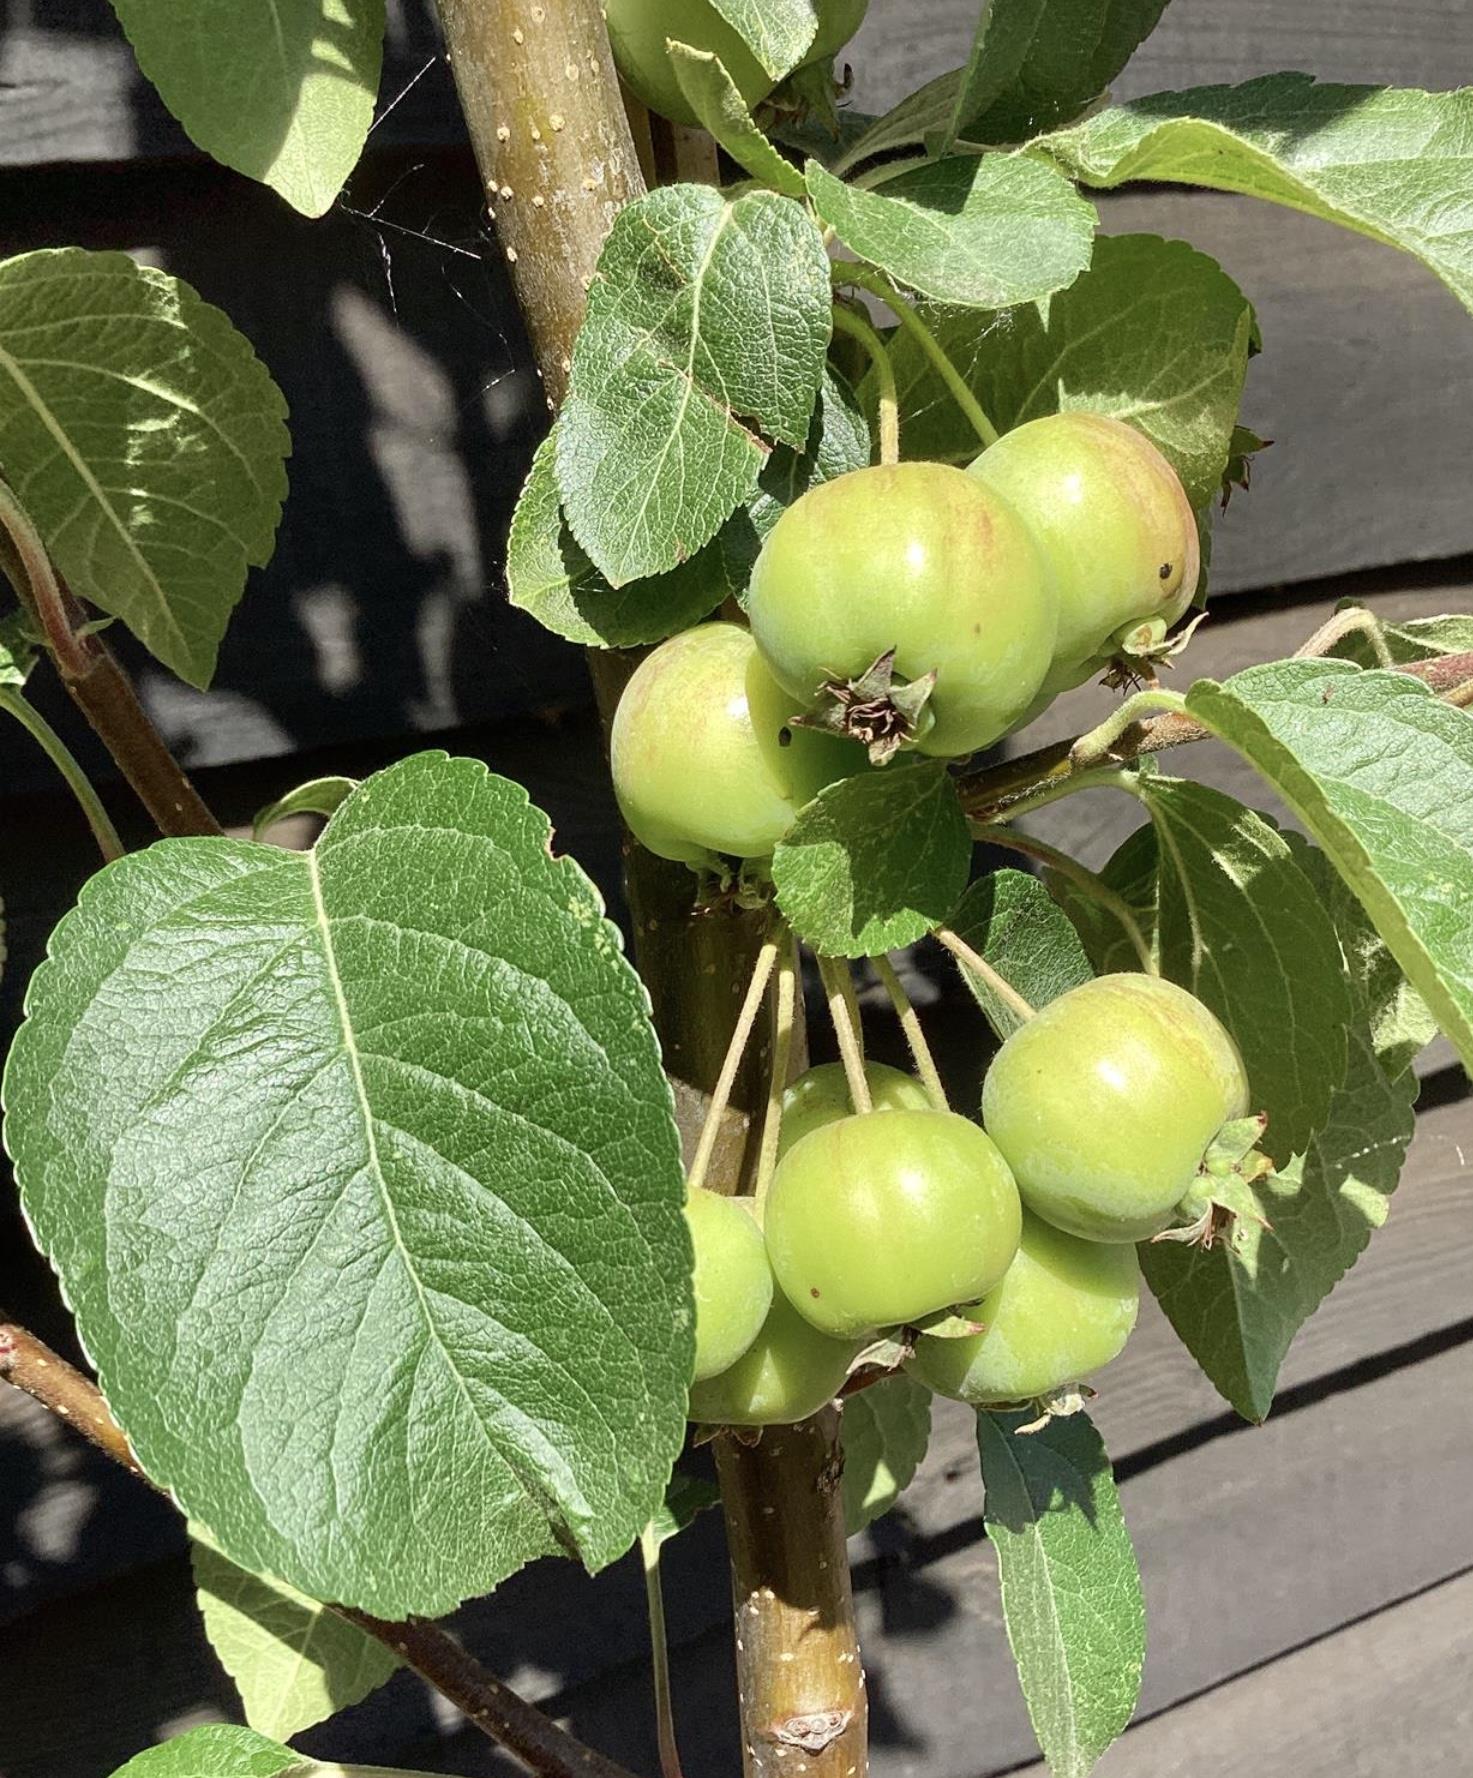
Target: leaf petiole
column 649, row 1550
column 61, row 756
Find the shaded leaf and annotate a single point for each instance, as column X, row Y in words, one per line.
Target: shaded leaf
column 686, row 1498
column 885, row 1430
column 1131, row 873
column 146, row 441
column 17, row 650
column 984, row 231
column 1154, row 333
column 1419, row 639
column 1071, row 1592
column 838, row 441
column 1037, row 63
column 359, row 1170
column 318, row 796
column 1240, row 924
column 1238, row 1307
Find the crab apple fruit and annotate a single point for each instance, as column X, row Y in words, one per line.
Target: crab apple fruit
column 640, row 29
column 907, row 557
column 1063, row 1310
column 703, row 756
column 821, row 1096
column 732, row 1280
column 878, row 1220
column 1114, row 524
column 788, row 1372
column 1105, row 1102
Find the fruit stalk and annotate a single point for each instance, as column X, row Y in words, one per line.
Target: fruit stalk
column 783, row 1505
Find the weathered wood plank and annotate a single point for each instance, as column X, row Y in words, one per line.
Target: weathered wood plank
column 1424, row 43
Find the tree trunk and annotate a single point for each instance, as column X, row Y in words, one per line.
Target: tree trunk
column 553, row 143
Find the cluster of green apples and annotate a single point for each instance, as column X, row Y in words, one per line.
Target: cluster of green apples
column 912, row 605
column 1013, row 1241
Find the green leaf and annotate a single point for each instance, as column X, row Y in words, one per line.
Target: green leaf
column 778, row 32
column 1154, row 333
column 294, row 1662
column 1037, row 63
column 282, row 90
column 838, row 441
column 318, row 796
column 17, row 650
column 359, row 1170
column 686, row 1498
column 1419, row 639
column 1010, row 921
column 654, row 449
column 146, row 441
column 549, row 576
column 1238, row 1307
column 875, row 861
column 1131, row 873
column 984, row 231
column 1071, row 1592
column 1392, row 163
column 220, row 1750
column 1381, row 774
column 1033, row 64
column 717, row 102
column 1397, row 1019
column 885, row 1431
column 223, row 1750
column 1241, row 925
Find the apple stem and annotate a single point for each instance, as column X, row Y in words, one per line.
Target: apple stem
column 867, row 278
column 978, row 964
column 846, row 321
column 910, row 1024
column 1355, row 620
column 1084, row 879
column 848, row 1030
column 782, row 1058
column 735, row 1050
